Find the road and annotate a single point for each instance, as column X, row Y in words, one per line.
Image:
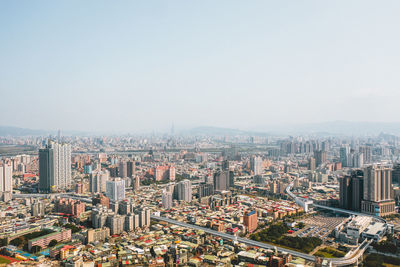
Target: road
column 239, row 239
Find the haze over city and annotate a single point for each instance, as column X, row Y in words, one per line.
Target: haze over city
column 136, row 66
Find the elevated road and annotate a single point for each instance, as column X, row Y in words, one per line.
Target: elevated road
column 231, row 237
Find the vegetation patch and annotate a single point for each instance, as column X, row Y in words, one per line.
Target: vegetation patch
column 276, row 234
column 329, row 253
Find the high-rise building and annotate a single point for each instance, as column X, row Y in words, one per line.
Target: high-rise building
column 378, row 199
column 167, row 200
column 5, row 178
column 311, row 164
column 256, row 165
column 54, row 166
column 164, row 173
column 136, row 185
column 367, row 152
column 115, row 190
column 183, row 191
column 130, row 168
column 205, row 190
column 396, row 173
column 222, row 180
column 344, row 154
column 250, row 220
column 320, row 157
column 98, row 181
column 38, row 208
column 123, row 169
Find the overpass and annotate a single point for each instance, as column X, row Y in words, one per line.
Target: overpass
column 231, row 237
column 351, row 258
column 66, row 195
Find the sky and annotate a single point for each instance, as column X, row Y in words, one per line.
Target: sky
column 134, row 66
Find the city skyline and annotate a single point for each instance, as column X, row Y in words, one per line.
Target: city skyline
column 146, row 65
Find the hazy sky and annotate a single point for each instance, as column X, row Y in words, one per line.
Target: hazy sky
column 142, row 65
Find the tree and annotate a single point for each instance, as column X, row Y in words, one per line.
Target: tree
column 301, row 225
column 53, row 243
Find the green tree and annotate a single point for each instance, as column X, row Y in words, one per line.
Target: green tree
column 53, row 243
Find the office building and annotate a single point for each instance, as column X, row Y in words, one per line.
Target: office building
column 378, row 199
column 54, row 167
column 115, row 190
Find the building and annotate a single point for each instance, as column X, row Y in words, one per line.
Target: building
column 205, row 190
column 378, row 199
column 123, row 169
column 100, row 234
column 164, row 173
column 256, row 165
column 222, row 180
column 250, row 220
column 115, row 190
column 54, row 166
column 136, row 185
column 102, row 200
column 38, row 208
column 98, row 181
column 396, row 173
column 79, row 188
column 130, row 168
column 167, row 200
column 6, row 182
column 311, row 164
column 70, row 206
column 320, row 157
column 183, row 191
column 62, row 235
column 144, row 217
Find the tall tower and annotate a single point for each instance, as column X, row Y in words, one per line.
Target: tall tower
column 54, row 166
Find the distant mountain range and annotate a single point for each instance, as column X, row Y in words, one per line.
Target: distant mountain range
column 17, row 131
column 322, row 129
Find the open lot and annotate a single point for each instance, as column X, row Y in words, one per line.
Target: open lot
column 318, row 226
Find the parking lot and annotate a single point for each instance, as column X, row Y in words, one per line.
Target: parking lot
column 318, row 226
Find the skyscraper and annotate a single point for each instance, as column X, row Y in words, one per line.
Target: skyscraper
column 123, row 169
column 256, row 165
column 378, row 199
column 183, row 191
column 115, row 190
column 54, row 166
column 131, row 168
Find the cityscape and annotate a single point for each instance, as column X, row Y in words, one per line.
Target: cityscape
column 199, row 133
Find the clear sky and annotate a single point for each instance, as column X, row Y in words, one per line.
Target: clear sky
column 143, row 65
